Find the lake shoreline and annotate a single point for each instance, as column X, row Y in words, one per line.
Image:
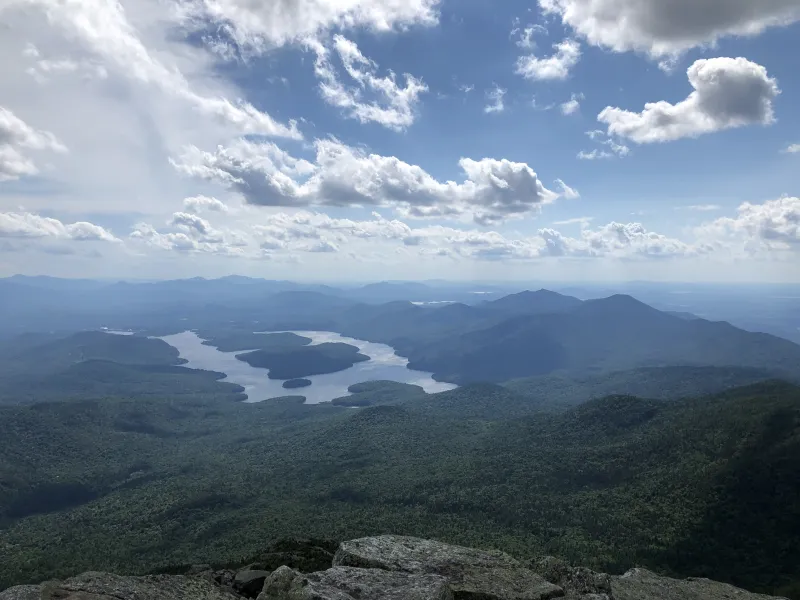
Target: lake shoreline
column 384, row 364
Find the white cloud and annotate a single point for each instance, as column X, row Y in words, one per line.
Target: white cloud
column 495, row 97
column 492, row 190
column 613, row 149
column 192, row 225
column 583, row 221
column 661, row 28
column 104, row 29
column 565, row 191
column 793, row 149
column 524, row 35
column 703, row 207
column 773, row 225
column 394, row 107
column 42, row 68
column 323, row 246
column 16, row 137
column 200, row 204
column 31, row 226
column 614, row 240
column 573, row 105
column 595, row 154
column 556, row 66
column 728, row 93
column 253, row 26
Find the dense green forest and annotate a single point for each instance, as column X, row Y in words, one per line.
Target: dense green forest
column 304, row 361
column 132, row 485
column 236, row 341
column 613, row 435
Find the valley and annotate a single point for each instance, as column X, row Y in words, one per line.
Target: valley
column 605, row 432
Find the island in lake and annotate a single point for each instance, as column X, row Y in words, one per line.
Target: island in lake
column 304, row 361
column 238, row 341
column 292, row 384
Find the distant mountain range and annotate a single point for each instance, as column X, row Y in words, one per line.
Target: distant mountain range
column 537, row 333
column 527, row 334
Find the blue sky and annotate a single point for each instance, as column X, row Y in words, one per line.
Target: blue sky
column 211, row 137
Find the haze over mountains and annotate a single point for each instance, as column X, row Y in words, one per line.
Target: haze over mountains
column 603, row 430
column 530, row 333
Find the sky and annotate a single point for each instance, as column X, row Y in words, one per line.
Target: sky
column 342, row 140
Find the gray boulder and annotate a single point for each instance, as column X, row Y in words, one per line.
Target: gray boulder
column 22, row 592
column 473, row 574
column 577, row 582
column 249, row 582
column 349, row 583
column 105, row 586
column 641, row 584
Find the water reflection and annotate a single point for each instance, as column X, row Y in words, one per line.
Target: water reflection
column 384, row 364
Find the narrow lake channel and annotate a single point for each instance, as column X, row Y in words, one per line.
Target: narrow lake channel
column 384, row 364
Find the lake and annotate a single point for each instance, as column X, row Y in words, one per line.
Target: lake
column 384, row 364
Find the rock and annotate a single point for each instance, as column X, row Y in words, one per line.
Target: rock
column 22, row 592
column 249, row 582
column 104, row 586
column 278, row 584
column 224, row 578
column 198, row 569
column 641, row 584
column 478, row 574
column 577, row 582
column 350, row 583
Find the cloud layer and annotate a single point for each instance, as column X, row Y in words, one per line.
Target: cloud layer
column 24, row 225
column 661, row 28
column 254, row 27
column 492, row 190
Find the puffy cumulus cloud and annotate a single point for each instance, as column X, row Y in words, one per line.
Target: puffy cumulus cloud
column 103, row 29
column 26, row 225
column 793, row 149
column 773, row 225
column 662, row 28
column 252, row 26
column 196, row 227
column 624, row 241
column 493, row 190
column 323, row 246
column 314, row 225
column 632, row 240
column 556, row 66
column 394, row 106
column 16, row 137
column 495, row 98
column 200, row 204
column 728, row 92
column 189, row 238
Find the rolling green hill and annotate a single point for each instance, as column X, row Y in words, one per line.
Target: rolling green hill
column 52, row 355
column 704, row 486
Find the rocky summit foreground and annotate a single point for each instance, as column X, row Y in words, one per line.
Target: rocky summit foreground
column 391, row 568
